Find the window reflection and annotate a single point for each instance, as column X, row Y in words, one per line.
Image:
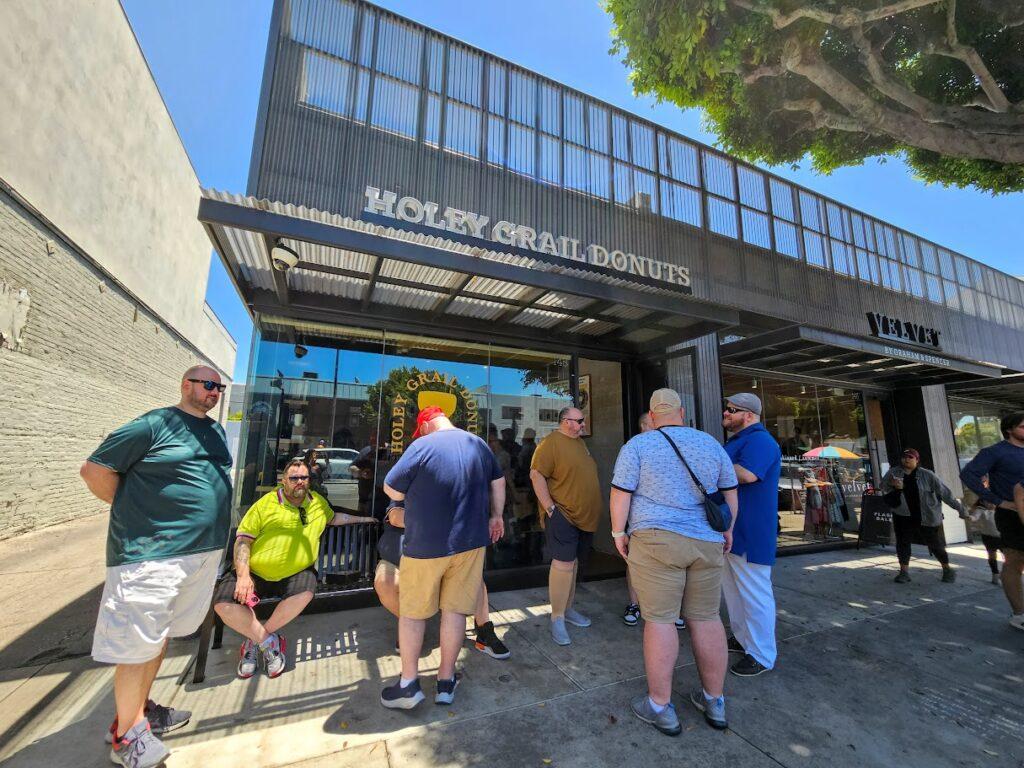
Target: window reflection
column 353, row 395
column 825, row 463
column 975, row 426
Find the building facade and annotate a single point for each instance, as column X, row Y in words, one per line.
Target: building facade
column 428, row 224
column 103, row 266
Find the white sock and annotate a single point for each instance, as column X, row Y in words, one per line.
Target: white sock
column 709, row 697
column 658, row 708
column 403, row 683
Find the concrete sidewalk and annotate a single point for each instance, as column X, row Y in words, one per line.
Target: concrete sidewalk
column 870, row 673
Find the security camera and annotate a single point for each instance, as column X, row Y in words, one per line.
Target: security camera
column 300, row 351
column 283, row 258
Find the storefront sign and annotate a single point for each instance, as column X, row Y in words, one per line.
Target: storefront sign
column 475, row 225
column 917, row 357
column 426, row 389
column 885, row 327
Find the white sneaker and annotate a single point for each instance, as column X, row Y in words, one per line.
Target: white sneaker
column 1017, row 621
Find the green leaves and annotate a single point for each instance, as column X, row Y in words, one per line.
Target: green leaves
column 728, row 58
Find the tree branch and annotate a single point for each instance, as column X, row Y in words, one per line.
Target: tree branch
column 842, row 19
column 969, row 56
column 904, row 127
column 768, row 70
column 824, row 118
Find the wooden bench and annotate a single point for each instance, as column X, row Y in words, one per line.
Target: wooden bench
column 348, row 558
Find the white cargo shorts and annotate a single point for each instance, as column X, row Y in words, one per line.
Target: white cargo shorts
column 147, row 602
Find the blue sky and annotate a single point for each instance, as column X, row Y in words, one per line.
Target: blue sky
column 207, row 59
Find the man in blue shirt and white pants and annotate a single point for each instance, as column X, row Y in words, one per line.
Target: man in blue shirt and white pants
column 747, row 578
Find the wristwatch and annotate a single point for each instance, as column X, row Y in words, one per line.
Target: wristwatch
column 551, row 509
column 618, row 534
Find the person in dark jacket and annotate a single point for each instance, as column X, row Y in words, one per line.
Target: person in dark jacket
column 916, row 495
column 1003, row 464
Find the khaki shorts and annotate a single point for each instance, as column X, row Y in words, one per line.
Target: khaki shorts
column 666, row 568
column 450, row 583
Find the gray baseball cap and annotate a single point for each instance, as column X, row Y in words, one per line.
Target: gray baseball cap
column 746, row 400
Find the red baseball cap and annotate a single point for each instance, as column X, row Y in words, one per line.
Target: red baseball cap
column 912, row 453
column 429, row 413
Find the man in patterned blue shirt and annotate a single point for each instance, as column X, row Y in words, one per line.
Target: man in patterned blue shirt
column 674, row 555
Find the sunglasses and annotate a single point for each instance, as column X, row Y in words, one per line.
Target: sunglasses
column 578, row 421
column 302, row 516
column 209, row 386
column 734, row 410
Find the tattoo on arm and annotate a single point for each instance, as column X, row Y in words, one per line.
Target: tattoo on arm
column 243, row 547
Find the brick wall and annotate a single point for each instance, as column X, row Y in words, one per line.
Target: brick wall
column 92, row 358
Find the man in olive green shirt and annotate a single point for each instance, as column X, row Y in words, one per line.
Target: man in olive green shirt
column 167, row 478
column 276, row 546
column 564, row 477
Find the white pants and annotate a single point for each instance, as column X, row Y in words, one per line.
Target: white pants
column 747, row 588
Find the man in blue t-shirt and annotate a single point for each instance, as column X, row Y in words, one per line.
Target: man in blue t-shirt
column 454, row 493
column 747, row 580
column 1003, row 466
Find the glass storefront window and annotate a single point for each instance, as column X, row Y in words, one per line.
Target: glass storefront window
column 975, row 426
column 825, row 462
column 354, row 395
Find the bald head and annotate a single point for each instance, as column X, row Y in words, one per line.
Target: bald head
column 196, row 398
column 200, row 372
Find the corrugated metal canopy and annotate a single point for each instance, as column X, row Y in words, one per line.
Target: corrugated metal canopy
column 350, row 271
column 804, row 351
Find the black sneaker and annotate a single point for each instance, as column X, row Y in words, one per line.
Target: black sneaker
column 748, row 666
column 488, row 642
column 446, row 690
column 948, row 575
column 631, row 615
column 734, row 645
column 902, row 577
column 397, row 697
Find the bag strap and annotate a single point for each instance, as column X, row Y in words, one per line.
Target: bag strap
column 685, row 464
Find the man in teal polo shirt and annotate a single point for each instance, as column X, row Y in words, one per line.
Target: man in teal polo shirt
column 277, row 544
column 167, row 478
column 747, row 579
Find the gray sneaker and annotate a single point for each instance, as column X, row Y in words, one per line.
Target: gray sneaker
column 139, row 748
column 161, row 720
column 576, row 618
column 714, row 710
column 559, row 633
column 273, row 655
column 665, row 721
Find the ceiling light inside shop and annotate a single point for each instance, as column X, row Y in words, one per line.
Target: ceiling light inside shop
column 876, row 360
column 853, row 365
column 824, row 359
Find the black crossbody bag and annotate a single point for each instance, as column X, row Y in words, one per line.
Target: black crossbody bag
column 719, row 516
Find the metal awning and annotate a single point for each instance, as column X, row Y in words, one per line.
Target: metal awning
column 1006, row 390
column 358, row 272
column 802, row 351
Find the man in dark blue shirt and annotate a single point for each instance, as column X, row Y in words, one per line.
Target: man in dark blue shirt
column 454, row 494
column 1003, row 465
column 747, row 579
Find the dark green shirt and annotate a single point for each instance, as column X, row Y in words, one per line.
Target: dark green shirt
column 175, row 493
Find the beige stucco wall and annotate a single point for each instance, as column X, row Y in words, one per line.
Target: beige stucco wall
column 86, row 140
